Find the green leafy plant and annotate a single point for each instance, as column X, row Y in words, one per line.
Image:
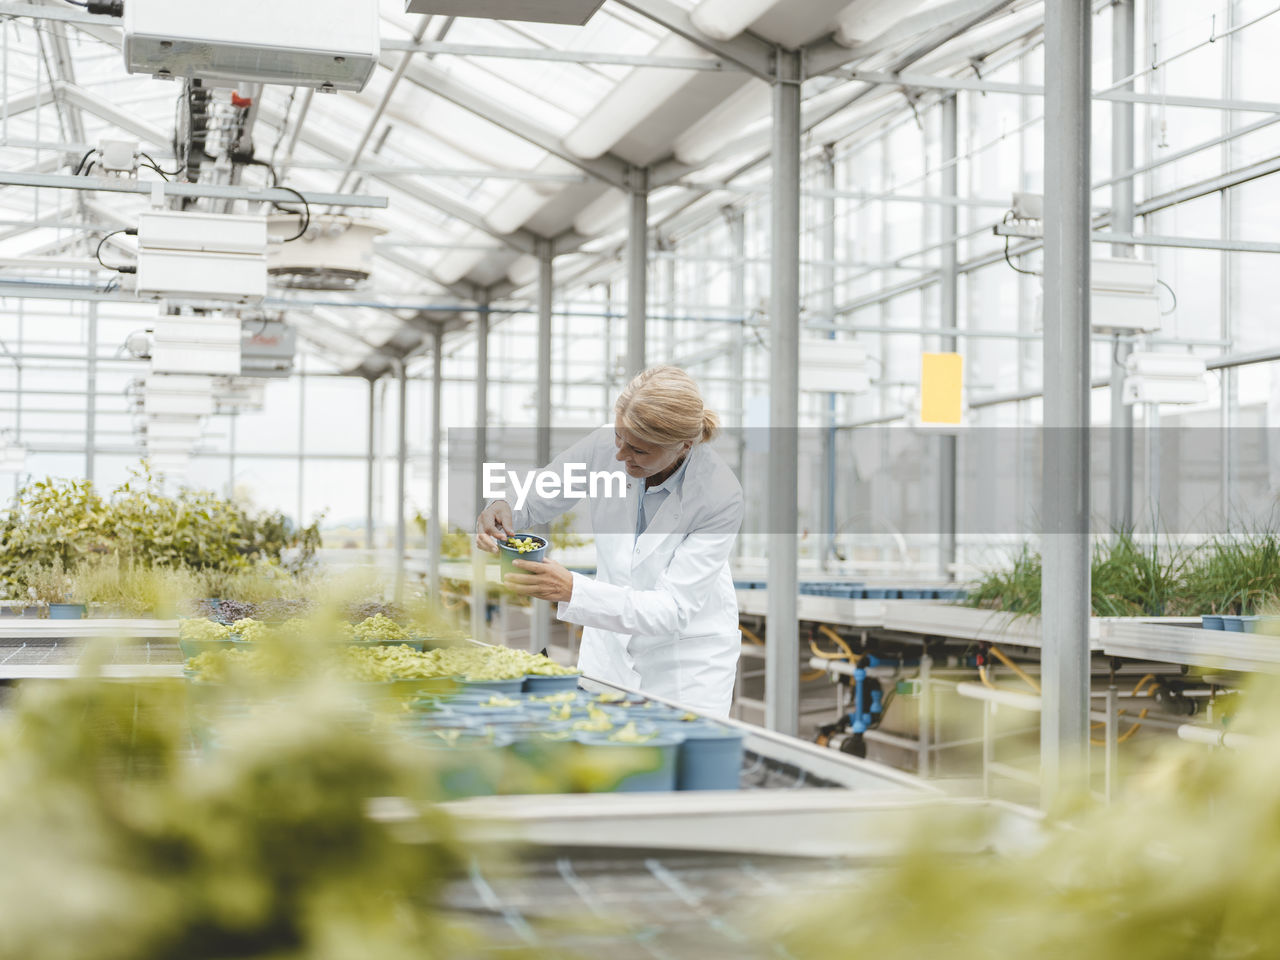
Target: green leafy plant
column 67, row 521
column 1234, row 575
column 1016, row 589
column 1129, row 580
column 47, row 583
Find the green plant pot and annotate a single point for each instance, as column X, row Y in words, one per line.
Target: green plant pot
column 507, row 554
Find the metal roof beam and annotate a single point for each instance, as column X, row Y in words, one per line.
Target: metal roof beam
column 439, row 48
column 748, row 51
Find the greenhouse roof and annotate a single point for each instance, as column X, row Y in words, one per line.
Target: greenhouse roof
column 493, row 142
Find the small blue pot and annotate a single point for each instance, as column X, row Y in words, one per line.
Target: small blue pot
column 497, row 686
column 540, row 686
column 1211, row 622
column 710, row 758
column 653, row 762
column 1233, row 624
column 66, row 611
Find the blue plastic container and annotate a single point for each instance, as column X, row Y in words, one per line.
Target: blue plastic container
column 653, row 763
column 470, row 764
column 540, row 685
column 710, row 757
column 497, row 686
column 913, row 594
column 876, row 593
column 1208, row 622
column 66, row 611
column 1233, row 624
column 508, row 554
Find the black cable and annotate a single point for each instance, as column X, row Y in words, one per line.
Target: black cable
column 306, row 212
column 127, row 231
column 1029, row 273
column 77, row 3
column 163, row 175
column 83, row 160
column 275, row 177
column 156, row 167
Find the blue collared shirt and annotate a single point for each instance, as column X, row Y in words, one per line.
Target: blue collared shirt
column 652, row 498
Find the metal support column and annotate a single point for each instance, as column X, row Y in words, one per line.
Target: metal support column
column 637, row 272
column 402, row 456
column 1122, row 217
column 737, row 224
column 948, row 318
column 435, row 529
column 91, row 395
column 540, row 613
column 370, row 438
column 782, row 661
column 827, row 523
column 1064, row 729
column 479, row 578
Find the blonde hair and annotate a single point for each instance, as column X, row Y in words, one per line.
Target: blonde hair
column 663, row 406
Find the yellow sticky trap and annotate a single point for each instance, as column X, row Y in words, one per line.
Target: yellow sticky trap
column 941, row 388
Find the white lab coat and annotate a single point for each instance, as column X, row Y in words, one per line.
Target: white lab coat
column 661, row 613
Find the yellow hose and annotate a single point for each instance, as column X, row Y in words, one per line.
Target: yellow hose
column 999, row 655
column 846, row 651
column 751, row 635
column 1138, row 687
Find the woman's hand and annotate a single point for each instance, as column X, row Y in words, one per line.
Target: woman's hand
column 496, row 523
column 546, row 580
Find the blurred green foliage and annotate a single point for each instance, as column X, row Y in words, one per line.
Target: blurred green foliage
column 119, row 845
column 1184, row 867
column 67, row 521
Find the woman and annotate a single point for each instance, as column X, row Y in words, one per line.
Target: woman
column 661, row 614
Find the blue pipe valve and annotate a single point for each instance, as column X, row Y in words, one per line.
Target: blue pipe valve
column 866, row 709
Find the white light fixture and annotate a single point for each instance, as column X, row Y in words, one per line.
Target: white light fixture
column 865, row 20
column 176, row 395
column 336, row 252
column 206, row 344
column 1165, row 378
column 325, row 44
column 202, row 256
column 1124, row 299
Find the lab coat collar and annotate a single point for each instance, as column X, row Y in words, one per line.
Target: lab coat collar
column 668, row 516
